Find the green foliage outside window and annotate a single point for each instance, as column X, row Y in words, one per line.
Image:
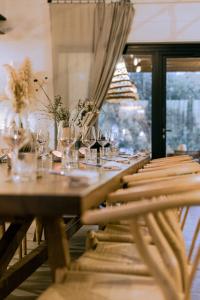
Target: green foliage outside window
column 183, row 113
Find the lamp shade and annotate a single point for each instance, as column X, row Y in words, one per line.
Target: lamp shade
column 121, row 87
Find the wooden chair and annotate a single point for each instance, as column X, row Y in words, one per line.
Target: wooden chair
column 172, row 171
column 156, row 179
column 150, row 168
column 171, row 159
column 114, row 242
column 155, row 189
column 157, row 186
column 171, row 278
column 152, row 164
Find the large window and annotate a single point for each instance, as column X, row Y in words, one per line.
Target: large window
column 166, row 116
column 183, row 104
column 130, row 118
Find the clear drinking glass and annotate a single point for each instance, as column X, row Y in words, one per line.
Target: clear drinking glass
column 88, row 139
column 67, row 137
column 15, row 136
column 42, row 139
column 102, row 141
column 25, row 168
column 114, row 141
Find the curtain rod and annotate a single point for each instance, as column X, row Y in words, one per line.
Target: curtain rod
column 84, row 1
column 134, row 2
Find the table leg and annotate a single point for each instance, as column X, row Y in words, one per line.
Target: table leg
column 11, row 240
column 58, row 247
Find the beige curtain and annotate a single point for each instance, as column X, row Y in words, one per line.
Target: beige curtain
column 72, row 27
column 112, row 25
column 87, row 41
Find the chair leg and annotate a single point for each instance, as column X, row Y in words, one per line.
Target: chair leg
column 20, row 251
column 2, row 229
column 39, row 230
column 25, row 245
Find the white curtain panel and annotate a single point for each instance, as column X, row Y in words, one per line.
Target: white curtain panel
column 72, row 28
column 87, row 41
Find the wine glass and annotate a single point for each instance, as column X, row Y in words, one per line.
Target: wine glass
column 88, row 139
column 114, row 141
column 42, row 139
column 102, row 140
column 15, row 137
column 67, row 137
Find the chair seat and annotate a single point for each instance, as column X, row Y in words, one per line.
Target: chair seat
column 96, row 286
column 114, row 233
column 122, row 258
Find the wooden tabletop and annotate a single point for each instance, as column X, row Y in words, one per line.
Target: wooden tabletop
column 51, row 195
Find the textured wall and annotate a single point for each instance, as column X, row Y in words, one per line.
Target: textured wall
column 166, row 21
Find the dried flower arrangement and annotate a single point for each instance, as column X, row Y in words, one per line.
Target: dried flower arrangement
column 59, row 112
column 20, row 89
column 83, row 113
column 54, row 108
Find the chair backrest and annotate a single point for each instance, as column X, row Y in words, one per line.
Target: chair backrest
column 147, row 181
column 151, row 164
column 173, row 272
column 149, row 167
column 171, row 158
column 152, row 189
column 172, row 171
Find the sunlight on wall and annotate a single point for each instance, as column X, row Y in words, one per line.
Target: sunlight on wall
column 27, row 35
column 163, row 22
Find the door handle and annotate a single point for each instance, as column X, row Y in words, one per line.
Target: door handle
column 166, row 130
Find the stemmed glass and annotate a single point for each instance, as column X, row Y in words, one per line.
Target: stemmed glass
column 88, row 139
column 102, row 140
column 67, row 137
column 114, row 141
column 42, row 139
column 15, row 137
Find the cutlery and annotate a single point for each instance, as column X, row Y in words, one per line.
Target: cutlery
column 61, row 173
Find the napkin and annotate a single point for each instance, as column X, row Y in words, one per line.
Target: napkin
column 122, row 160
column 57, row 155
column 111, row 166
column 78, row 178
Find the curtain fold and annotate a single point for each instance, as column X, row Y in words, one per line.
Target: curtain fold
column 87, row 40
column 112, row 26
column 72, row 30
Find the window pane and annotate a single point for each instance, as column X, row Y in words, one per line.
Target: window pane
column 128, row 117
column 183, row 104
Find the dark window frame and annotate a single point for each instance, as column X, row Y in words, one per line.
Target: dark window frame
column 160, row 52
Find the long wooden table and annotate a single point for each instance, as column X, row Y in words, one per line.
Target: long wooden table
column 49, row 198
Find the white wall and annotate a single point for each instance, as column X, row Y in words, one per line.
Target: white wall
column 166, row 21
column 27, row 35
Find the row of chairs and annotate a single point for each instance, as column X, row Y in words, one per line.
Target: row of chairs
column 139, row 252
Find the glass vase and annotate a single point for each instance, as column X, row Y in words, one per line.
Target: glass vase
column 16, row 135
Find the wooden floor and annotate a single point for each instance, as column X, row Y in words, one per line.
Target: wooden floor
column 41, row 279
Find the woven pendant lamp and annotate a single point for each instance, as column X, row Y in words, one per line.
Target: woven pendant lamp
column 121, row 87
